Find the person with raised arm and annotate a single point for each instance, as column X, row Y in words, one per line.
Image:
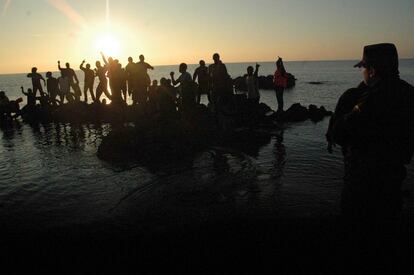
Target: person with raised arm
column 31, row 97
column 70, row 74
column 252, row 84
column 100, row 72
column 88, row 82
column 186, row 88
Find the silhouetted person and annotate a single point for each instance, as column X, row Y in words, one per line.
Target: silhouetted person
column 143, row 79
column 31, row 97
column 115, row 76
column 100, row 72
column 280, row 82
column 123, row 80
column 186, row 88
column 52, row 88
column 64, row 88
column 88, row 82
column 153, row 96
column 218, row 80
column 374, row 125
column 70, row 74
column 36, row 78
column 4, row 105
column 201, row 73
column 252, row 84
column 172, row 91
column 131, row 70
column 166, row 98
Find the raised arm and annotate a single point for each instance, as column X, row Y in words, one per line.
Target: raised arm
column 104, row 59
column 23, row 92
column 256, row 72
column 81, row 66
column 60, row 68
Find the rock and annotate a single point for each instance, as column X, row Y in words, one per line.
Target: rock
column 173, row 139
column 317, row 114
column 265, row 82
column 295, row 113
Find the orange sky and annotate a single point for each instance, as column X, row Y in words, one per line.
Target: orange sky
column 40, row 32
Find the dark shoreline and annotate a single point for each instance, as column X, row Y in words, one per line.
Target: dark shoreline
column 288, row 244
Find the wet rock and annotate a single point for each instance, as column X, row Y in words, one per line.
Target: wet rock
column 299, row 113
column 176, row 139
column 295, row 113
column 317, row 114
column 316, row 82
column 265, row 82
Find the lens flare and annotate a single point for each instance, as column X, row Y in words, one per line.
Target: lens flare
column 108, row 44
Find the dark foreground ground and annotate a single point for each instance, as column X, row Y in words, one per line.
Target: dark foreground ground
column 246, row 246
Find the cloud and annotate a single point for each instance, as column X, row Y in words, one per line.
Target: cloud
column 68, row 11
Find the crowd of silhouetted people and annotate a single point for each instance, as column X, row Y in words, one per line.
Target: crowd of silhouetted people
column 119, row 84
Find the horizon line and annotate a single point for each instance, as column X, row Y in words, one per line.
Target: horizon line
column 238, row 62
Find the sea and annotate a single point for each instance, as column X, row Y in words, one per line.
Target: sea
column 52, row 179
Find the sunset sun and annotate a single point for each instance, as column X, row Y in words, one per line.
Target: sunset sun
column 108, row 44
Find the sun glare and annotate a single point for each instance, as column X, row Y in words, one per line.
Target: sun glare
column 108, row 44
column 114, row 40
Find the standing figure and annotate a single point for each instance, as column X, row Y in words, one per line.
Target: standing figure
column 253, row 94
column 280, row 82
column 31, row 97
column 123, row 80
column 374, row 125
column 36, row 78
column 143, row 80
column 88, row 82
column 116, row 78
column 201, row 73
column 186, row 88
column 52, row 88
column 70, row 74
column 219, row 78
column 64, row 88
column 100, row 72
column 153, row 98
column 131, row 72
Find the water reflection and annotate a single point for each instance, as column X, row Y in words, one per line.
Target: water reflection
column 11, row 129
column 70, row 135
column 53, row 171
column 280, row 156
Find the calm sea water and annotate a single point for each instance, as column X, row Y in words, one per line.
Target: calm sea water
column 50, row 176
